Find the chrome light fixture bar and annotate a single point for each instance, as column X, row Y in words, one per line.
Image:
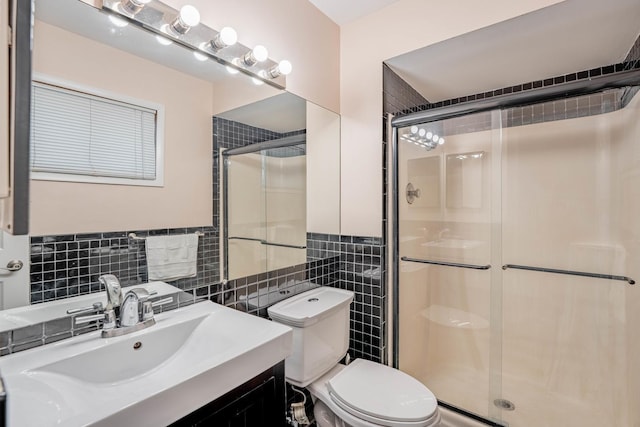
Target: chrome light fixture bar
column 183, row 27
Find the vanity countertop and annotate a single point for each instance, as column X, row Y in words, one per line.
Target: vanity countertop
column 192, row 356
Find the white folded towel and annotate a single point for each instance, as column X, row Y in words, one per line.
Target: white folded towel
column 172, row 257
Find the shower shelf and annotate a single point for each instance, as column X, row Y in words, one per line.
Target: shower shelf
column 570, row 272
column 447, row 264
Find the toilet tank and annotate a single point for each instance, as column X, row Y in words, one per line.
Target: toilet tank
column 320, row 323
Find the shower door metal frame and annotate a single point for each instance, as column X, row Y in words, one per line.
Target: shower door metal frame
column 517, row 99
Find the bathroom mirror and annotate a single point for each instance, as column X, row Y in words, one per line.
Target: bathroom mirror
column 76, row 43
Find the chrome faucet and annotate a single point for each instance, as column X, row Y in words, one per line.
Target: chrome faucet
column 122, row 316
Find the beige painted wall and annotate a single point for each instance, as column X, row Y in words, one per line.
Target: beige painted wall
column 323, row 170
column 399, row 28
column 290, row 29
column 185, row 199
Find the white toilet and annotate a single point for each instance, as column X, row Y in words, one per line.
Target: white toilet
column 361, row 394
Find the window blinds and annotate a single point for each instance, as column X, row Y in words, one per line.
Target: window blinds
column 82, row 134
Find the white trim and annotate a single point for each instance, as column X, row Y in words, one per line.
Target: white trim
column 111, row 96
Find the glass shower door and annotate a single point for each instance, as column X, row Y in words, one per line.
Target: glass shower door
column 519, row 246
column 448, row 206
column 571, row 180
column 245, row 215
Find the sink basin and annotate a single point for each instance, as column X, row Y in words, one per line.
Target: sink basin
column 152, row 377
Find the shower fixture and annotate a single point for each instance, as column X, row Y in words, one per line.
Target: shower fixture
column 183, row 27
column 412, row 193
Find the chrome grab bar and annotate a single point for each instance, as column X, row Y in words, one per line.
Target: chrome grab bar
column 244, row 238
column 447, row 264
column 264, row 242
column 570, row 272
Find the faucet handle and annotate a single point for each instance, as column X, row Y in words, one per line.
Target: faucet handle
column 147, row 307
column 97, row 306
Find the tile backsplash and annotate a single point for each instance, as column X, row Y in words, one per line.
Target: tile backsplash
column 68, row 265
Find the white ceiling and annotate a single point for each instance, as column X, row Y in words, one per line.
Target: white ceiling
column 345, row 11
column 570, row 36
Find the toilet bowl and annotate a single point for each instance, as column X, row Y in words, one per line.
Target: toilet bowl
column 368, row 394
column 361, row 394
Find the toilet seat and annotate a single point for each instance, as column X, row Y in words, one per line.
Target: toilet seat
column 378, row 395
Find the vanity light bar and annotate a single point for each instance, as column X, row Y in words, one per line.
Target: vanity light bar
column 183, row 27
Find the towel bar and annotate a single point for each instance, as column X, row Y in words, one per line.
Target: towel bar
column 133, row 236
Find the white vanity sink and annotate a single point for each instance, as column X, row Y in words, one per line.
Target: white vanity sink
column 152, row 377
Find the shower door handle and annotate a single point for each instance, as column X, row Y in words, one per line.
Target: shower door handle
column 446, row 264
column 570, row 273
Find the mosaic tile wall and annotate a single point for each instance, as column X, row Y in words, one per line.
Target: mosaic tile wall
column 68, row 265
column 346, row 262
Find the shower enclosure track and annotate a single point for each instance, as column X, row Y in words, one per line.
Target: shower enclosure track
column 569, row 272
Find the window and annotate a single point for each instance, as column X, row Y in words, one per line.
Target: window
column 87, row 136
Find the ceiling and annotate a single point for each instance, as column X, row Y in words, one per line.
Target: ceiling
column 570, row 36
column 344, row 11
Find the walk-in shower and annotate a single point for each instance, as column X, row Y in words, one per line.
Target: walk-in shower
column 517, row 248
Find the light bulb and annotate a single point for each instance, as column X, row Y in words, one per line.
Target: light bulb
column 187, row 18
column 255, row 55
column 228, row 36
column 200, row 56
column 285, row 67
column 225, row 38
column 132, row 7
column 118, row 22
column 429, row 135
column 414, row 130
column 422, row 133
column 260, row 53
column 435, row 138
column 190, row 15
column 163, row 40
column 441, row 141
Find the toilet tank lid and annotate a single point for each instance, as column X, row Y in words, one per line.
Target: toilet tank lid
column 309, row 307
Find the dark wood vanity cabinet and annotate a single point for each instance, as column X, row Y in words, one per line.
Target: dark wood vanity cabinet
column 258, row 402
